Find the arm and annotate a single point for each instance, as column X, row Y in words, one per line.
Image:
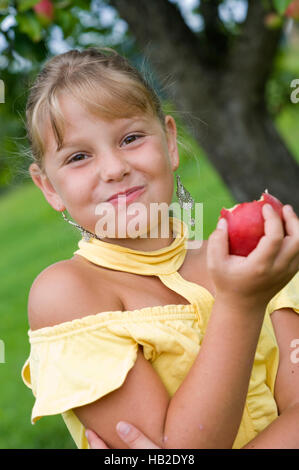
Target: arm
column 143, row 392
column 283, row 432
column 206, row 410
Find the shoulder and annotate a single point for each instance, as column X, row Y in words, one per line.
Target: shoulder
column 56, row 287
column 197, row 251
column 62, row 292
column 196, row 269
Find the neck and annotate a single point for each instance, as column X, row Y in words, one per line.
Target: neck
column 143, row 244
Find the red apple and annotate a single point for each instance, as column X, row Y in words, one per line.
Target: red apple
column 245, row 223
column 45, row 9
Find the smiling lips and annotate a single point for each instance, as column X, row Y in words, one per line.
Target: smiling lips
column 129, row 195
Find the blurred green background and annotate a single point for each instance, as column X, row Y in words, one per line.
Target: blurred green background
column 34, row 236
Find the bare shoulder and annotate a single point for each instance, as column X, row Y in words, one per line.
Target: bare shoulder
column 198, row 255
column 196, row 269
column 64, row 291
column 56, row 289
column 197, row 250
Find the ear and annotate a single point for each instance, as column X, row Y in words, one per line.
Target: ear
column 42, row 181
column 173, row 152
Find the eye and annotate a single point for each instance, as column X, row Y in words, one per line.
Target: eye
column 132, row 136
column 75, row 156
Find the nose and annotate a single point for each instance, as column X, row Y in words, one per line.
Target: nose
column 113, row 167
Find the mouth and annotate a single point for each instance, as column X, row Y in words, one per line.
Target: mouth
column 129, row 196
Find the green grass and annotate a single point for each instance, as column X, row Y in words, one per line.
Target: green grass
column 34, row 236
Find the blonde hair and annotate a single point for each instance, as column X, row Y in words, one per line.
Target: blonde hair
column 105, row 83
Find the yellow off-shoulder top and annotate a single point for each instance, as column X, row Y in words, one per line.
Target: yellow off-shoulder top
column 77, row 362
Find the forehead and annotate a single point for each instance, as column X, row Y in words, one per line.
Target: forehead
column 75, row 111
column 78, row 122
column 75, row 114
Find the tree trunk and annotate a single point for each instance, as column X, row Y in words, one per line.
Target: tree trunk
column 226, row 92
column 246, row 149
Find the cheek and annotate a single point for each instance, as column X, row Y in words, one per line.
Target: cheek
column 161, row 171
column 74, row 188
column 159, row 165
column 164, row 184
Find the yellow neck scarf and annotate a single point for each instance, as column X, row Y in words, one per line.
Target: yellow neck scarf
column 163, row 263
column 166, row 260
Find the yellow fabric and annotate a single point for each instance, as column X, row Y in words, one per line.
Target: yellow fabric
column 77, row 362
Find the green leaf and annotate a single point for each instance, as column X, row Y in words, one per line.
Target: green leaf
column 29, row 24
column 281, row 5
column 23, row 5
column 82, row 4
column 66, row 21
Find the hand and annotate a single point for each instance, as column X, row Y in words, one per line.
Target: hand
column 266, row 270
column 130, row 435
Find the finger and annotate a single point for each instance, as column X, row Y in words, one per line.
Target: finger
column 290, row 246
column 270, row 244
column 218, row 244
column 291, row 220
column 294, row 267
column 94, row 441
column 288, row 259
column 289, row 252
column 133, row 437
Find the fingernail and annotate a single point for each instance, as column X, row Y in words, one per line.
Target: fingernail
column 268, row 207
column 123, row 428
column 221, row 224
column 289, row 208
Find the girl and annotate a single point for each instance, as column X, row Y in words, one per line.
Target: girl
column 177, row 341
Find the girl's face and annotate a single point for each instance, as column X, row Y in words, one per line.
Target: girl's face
column 100, row 158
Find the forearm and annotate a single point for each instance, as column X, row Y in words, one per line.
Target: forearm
column 282, row 433
column 206, row 410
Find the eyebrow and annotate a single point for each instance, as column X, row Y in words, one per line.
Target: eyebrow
column 74, row 144
column 70, row 145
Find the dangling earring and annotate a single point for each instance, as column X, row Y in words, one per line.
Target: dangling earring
column 86, row 234
column 185, row 199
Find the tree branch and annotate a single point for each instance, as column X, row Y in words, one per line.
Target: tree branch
column 215, row 34
column 165, row 39
column 251, row 56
